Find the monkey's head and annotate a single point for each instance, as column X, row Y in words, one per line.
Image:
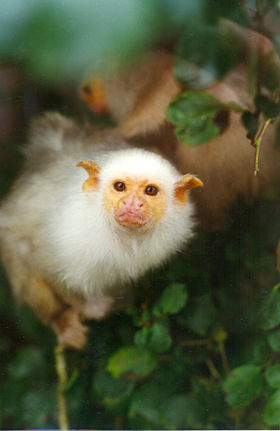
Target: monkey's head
column 138, row 187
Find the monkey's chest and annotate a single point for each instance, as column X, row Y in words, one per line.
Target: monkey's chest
column 92, row 278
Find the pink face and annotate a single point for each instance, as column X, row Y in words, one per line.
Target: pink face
column 135, row 201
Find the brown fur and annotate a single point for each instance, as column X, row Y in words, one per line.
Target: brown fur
column 17, row 246
column 225, row 164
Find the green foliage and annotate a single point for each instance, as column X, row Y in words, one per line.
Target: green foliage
column 272, row 376
column 113, row 393
column 157, row 338
column 269, row 108
column 272, row 410
column 199, row 64
column 173, row 298
column 270, row 310
column 242, row 384
column 193, row 115
column 201, row 316
column 274, row 341
column 147, row 403
column 162, row 364
column 131, row 360
column 250, row 122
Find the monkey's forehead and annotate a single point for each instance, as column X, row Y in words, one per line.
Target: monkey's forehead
column 137, row 162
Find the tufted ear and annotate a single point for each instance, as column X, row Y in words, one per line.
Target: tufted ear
column 185, row 183
column 93, row 170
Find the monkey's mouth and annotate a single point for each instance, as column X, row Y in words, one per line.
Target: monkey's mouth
column 131, row 218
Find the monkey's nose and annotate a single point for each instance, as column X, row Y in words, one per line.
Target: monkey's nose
column 133, row 201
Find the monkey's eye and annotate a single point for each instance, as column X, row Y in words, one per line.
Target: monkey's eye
column 151, row 190
column 119, row 186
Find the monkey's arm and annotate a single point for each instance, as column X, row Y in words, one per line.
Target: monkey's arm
column 145, row 89
column 30, row 287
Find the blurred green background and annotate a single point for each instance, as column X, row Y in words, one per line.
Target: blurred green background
column 200, row 347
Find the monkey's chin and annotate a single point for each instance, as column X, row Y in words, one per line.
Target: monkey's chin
column 131, row 220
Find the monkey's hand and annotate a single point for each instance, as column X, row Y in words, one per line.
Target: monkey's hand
column 70, row 330
column 98, row 308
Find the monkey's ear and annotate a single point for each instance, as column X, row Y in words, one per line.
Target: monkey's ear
column 93, row 170
column 185, row 183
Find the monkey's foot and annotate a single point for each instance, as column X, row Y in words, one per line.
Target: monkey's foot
column 70, row 330
column 98, row 308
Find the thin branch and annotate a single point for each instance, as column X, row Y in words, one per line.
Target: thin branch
column 61, row 370
column 198, row 342
column 223, row 354
column 257, row 144
column 119, row 422
column 236, row 418
column 213, row 370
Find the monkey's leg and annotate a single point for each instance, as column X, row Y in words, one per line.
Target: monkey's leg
column 29, row 287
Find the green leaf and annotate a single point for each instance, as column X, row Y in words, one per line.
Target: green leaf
column 72, row 379
column 256, row 351
column 141, row 337
column 29, row 362
column 132, row 360
column 156, row 338
column 271, row 414
column 198, row 132
column 269, row 108
column 147, row 403
column 39, row 407
column 201, row 316
column 198, row 64
column 192, row 113
column 113, row 392
column 272, row 376
column 250, row 122
column 173, row 298
column 176, row 412
column 183, row 412
column 191, row 106
column 274, row 341
column 270, row 309
column 160, row 339
column 242, row 384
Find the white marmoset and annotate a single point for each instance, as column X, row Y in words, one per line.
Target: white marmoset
column 70, row 237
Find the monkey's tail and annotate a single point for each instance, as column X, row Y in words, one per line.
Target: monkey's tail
column 47, row 131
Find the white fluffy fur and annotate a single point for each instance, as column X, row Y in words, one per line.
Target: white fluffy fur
column 72, row 241
column 89, row 253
